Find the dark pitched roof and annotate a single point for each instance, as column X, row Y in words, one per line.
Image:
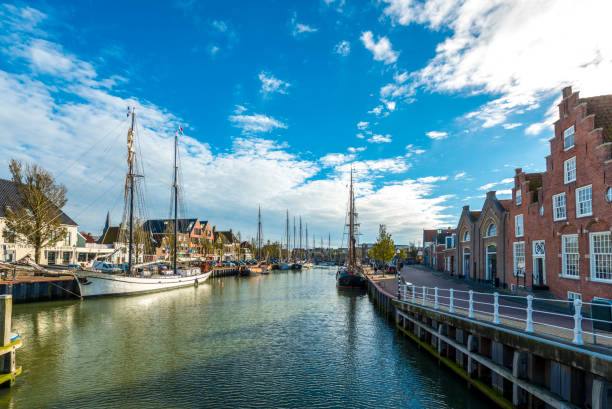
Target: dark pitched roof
column 506, row 203
column 9, row 195
column 227, row 236
column 601, row 106
column 111, row 236
column 160, row 226
column 475, row 214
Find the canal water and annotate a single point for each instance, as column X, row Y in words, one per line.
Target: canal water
column 279, row 340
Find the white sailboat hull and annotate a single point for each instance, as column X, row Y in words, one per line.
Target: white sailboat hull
column 101, row 284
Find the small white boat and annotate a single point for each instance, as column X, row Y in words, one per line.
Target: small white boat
column 96, row 284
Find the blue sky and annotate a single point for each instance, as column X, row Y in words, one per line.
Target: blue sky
column 433, row 103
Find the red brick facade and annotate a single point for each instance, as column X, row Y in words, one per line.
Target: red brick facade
column 566, row 210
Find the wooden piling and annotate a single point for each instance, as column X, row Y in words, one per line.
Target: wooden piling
column 8, row 367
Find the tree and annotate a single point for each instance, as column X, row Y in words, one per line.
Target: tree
column 413, row 251
column 402, row 254
column 384, row 248
column 34, row 218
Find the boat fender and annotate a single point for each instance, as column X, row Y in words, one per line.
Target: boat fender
column 196, row 282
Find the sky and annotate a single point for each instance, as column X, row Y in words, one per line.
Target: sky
column 432, row 103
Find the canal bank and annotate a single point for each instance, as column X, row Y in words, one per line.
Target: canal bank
column 277, row 340
column 511, row 367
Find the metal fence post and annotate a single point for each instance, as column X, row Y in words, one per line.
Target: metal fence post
column 496, row 308
column 577, row 322
column 413, row 294
column 399, row 287
column 451, row 308
column 405, row 292
column 529, row 322
column 471, row 306
column 436, row 298
column 424, row 295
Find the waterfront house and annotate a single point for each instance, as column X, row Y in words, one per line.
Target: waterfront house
column 72, row 249
column 191, row 237
column 566, row 211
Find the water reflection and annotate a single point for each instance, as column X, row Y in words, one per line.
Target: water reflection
column 283, row 339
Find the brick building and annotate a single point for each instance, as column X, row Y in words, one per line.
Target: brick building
column 560, row 220
column 481, row 250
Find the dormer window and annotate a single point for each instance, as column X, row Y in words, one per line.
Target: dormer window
column 519, row 197
column 568, row 138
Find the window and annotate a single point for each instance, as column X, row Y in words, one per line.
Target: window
column 519, row 258
column 569, row 170
column 449, row 242
column 518, row 225
column 519, row 197
column 609, row 194
column 454, row 240
column 574, row 296
column 542, row 210
column 584, row 201
column 67, row 239
column 601, row 256
column 568, row 138
column 570, row 255
column 9, row 236
column 559, row 206
column 466, row 236
column 491, row 230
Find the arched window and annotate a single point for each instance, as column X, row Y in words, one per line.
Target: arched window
column 466, row 236
column 491, row 230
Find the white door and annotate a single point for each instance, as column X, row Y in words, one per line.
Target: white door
column 539, row 262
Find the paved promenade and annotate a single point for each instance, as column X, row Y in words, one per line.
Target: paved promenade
column 547, row 315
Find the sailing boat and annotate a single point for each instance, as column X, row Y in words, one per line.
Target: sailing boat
column 135, row 279
column 284, row 265
column 350, row 275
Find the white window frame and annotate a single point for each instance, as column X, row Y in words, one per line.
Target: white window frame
column 517, row 258
column 571, row 296
column 518, row 232
column 589, row 201
column 519, row 197
column 489, row 226
column 569, row 170
column 463, row 238
column 558, row 206
column 566, row 256
column 446, row 239
column 603, row 258
column 569, row 131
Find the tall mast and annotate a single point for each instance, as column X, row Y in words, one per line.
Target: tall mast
column 287, row 234
column 259, row 236
column 307, row 248
column 329, row 246
column 175, row 185
column 301, row 250
column 130, row 144
column 351, row 241
column 294, row 242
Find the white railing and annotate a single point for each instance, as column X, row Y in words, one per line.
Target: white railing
column 548, row 318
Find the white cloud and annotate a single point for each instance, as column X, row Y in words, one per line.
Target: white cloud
column 432, row 179
column 488, row 186
column 343, row 48
column 335, row 159
column 38, row 116
column 362, row 125
column 503, row 192
column 255, row 123
column 220, row 25
column 360, row 135
column 358, row 149
column 376, row 110
column 270, row 84
column 512, row 126
column 437, row 135
column 380, row 139
column 299, row 29
column 460, row 175
column 381, row 49
column 512, row 49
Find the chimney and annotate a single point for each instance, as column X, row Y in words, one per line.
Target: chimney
column 491, row 194
column 518, row 170
column 567, row 91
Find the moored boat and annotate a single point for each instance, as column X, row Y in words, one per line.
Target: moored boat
column 113, row 280
column 351, row 274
